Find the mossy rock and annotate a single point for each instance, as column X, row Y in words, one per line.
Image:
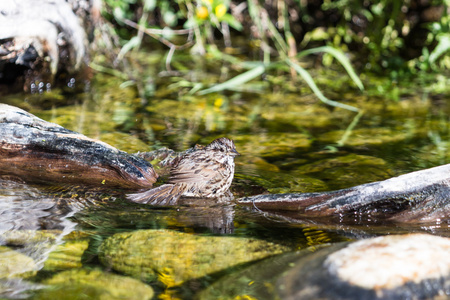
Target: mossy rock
column 14, row 264
column 281, row 183
column 253, row 164
column 367, row 137
column 347, row 171
column 176, row 257
column 94, row 284
column 25, row 237
column 211, row 112
column 66, row 256
column 298, row 184
column 290, row 113
column 272, row 144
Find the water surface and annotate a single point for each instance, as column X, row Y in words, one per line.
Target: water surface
column 288, row 141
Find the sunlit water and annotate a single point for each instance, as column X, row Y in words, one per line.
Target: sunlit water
column 288, row 142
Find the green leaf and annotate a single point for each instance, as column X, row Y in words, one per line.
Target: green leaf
column 236, row 81
column 442, row 47
column 230, row 20
column 305, row 75
column 340, row 56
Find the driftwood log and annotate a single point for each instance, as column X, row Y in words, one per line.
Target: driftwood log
column 40, row 38
column 422, row 196
column 39, row 151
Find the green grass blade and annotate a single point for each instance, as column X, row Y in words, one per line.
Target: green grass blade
column 305, row 75
column 349, row 129
column 236, row 81
column 340, row 56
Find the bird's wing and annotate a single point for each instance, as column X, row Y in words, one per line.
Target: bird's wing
column 190, row 170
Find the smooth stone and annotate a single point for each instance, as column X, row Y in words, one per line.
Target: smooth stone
column 389, row 262
column 412, row 266
column 175, row 257
column 66, row 256
column 14, row 264
column 94, row 284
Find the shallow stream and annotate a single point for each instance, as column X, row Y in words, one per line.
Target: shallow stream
column 72, row 242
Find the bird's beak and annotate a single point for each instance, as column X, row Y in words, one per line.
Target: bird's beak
column 234, row 152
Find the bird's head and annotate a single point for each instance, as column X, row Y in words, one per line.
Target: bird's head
column 224, row 145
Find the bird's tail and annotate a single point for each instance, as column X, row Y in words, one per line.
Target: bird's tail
column 166, row 194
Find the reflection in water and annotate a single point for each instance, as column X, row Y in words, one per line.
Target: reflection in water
column 218, row 217
column 32, row 224
column 356, row 228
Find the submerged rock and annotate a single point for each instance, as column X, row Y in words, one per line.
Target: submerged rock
column 272, row 144
column 367, row 137
column 279, row 183
column 66, row 256
column 14, row 264
column 94, row 284
column 255, row 282
column 348, row 170
column 176, row 257
column 414, row 266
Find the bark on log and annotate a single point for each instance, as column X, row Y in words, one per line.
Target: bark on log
column 421, row 196
column 44, row 36
column 40, row 151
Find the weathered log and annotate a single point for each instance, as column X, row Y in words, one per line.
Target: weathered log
column 40, row 151
column 421, row 196
column 43, row 36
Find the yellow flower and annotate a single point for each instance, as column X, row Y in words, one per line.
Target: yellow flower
column 202, row 12
column 220, row 10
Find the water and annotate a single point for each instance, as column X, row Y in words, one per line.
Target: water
column 288, row 141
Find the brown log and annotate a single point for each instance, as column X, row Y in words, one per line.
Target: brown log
column 421, row 196
column 40, row 151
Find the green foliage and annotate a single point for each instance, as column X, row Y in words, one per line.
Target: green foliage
column 386, row 33
column 158, row 18
column 258, row 69
column 440, row 33
column 376, row 33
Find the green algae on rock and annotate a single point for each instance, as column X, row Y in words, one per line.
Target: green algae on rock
column 367, row 137
column 175, row 257
column 26, row 237
column 14, row 264
column 281, row 182
column 347, row 171
column 94, row 284
column 258, row 281
column 295, row 112
column 66, row 256
column 272, row 144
